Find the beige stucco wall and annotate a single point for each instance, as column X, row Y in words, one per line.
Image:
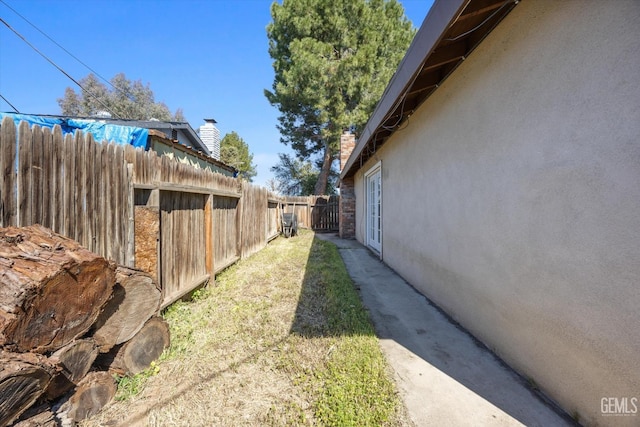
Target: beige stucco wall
column 512, row 199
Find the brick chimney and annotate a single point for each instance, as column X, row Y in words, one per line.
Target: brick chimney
column 347, row 144
column 347, row 207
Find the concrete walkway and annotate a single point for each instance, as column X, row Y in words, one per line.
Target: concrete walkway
column 444, row 376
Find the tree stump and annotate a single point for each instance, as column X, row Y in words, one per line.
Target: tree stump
column 92, row 394
column 136, row 297
column 136, row 355
column 23, row 379
column 74, row 360
column 52, row 289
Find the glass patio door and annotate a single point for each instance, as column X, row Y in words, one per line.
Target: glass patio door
column 373, row 180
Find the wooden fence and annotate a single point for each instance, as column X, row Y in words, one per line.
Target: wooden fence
column 319, row 213
column 177, row 222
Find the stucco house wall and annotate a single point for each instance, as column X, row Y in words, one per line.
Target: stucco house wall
column 512, row 199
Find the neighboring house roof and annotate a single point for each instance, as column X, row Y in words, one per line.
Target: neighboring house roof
column 171, row 129
column 181, row 131
column 451, row 30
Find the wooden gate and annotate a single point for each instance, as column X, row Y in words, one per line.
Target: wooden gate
column 324, row 214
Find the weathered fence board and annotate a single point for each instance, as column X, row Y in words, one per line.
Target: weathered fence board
column 7, row 169
column 47, row 177
column 24, row 174
column 37, row 175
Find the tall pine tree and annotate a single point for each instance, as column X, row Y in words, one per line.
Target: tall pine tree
column 332, row 61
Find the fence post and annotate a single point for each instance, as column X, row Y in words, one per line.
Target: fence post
column 131, row 232
column 239, row 215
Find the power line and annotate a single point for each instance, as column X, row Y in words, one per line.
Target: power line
column 59, row 69
column 10, row 104
column 62, row 47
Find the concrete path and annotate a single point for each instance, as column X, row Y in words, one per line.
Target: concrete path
column 444, row 376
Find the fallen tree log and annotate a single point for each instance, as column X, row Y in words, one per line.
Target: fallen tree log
column 136, row 355
column 74, row 360
column 52, row 289
column 92, row 394
column 23, row 379
column 136, row 297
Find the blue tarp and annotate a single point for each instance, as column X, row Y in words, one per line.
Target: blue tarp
column 101, row 131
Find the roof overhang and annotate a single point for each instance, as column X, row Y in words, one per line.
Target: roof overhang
column 185, row 127
column 449, row 33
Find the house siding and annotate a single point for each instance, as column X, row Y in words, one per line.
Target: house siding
column 512, row 199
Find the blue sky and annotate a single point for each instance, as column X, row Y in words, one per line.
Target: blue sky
column 208, row 57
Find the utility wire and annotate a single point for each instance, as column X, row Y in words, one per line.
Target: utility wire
column 10, row 104
column 59, row 69
column 466, row 33
column 62, row 47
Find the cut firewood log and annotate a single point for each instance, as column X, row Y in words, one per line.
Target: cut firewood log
column 74, row 360
column 38, row 416
column 92, row 394
column 52, row 289
column 136, row 297
column 23, row 379
column 137, row 354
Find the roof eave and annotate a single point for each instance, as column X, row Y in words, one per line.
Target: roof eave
column 433, row 27
column 449, row 33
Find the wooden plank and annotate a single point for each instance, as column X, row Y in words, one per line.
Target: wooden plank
column 47, row 177
column 24, row 174
column 107, row 214
column 239, row 217
column 209, row 238
column 165, row 241
column 8, row 208
column 37, row 175
column 88, row 222
column 101, row 195
column 118, row 207
column 68, row 192
column 194, row 284
column 168, row 186
column 79, row 198
column 227, row 263
column 71, row 184
column 145, row 187
column 131, row 248
column 130, row 161
column 57, row 205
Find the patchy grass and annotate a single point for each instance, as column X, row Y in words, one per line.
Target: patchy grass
column 280, row 339
column 131, row 386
